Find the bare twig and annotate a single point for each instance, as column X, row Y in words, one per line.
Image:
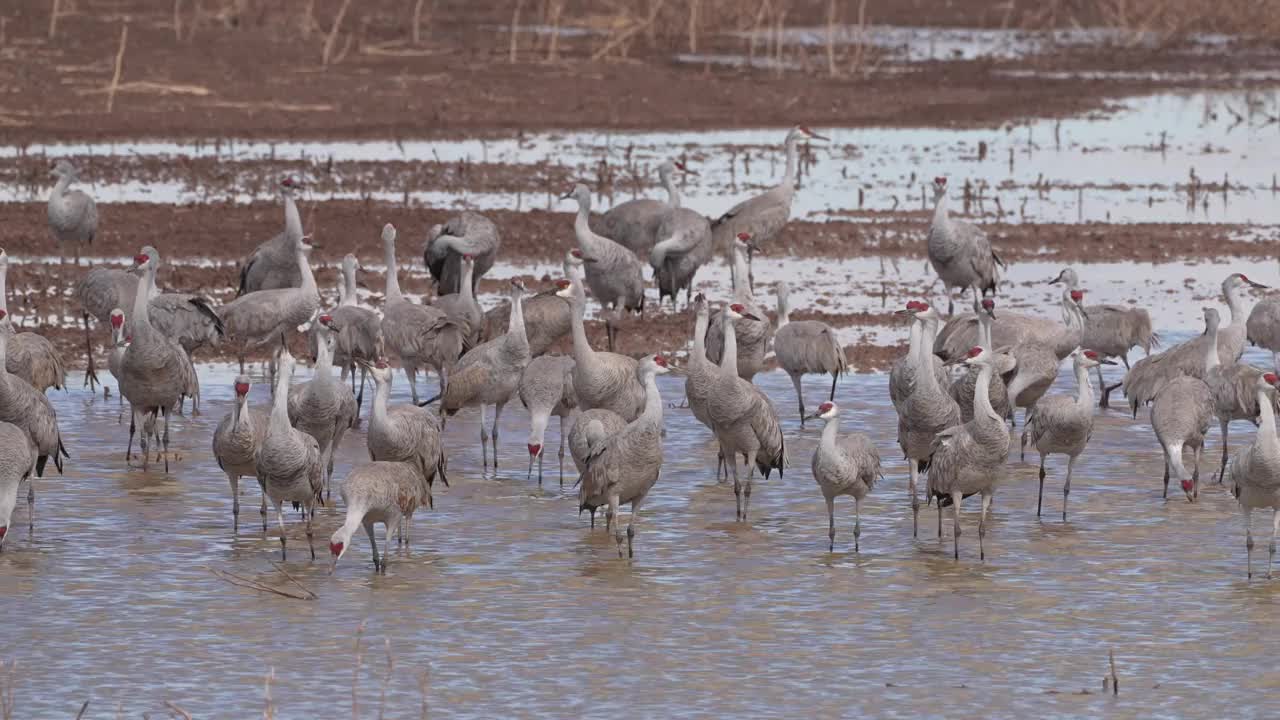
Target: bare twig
column 424, row 687
column 175, row 709
column 355, row 676
column 7, row 671
column 515, row 24
column 269, row 712
column 333, row 32
column 831, row 38
column 693, row 25
column 292, row 579
column 83, row 709
column 53, row 18
column 177, row 20
column 1115, row 679
column 417, row 22
column 245, row 582
column 386, row 679
column 115, row 78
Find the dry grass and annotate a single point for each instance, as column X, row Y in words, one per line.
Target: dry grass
column 1163, row 19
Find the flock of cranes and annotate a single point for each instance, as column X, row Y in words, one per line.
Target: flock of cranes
column 953, row 427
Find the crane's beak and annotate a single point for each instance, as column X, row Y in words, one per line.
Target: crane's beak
column 749, row 316
column 1083, row 312
column 677, row 370
column 991, row 314
column 685, row 169
column 810, row 416
column 815, row 136
column 567, row 196
column 904, row 312
column 1259, row 286
column 1106, row 361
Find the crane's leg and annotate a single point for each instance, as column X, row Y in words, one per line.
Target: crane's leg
column 235, row 501
column 497, row 413
column 939, row 520
column 746, row 490
column 1271, row 549
column 915, row 500
column 280, row 519
column 1165, row 494
column 631, row 526
column 133, row 426
column 613, row 522
column 373, row 543
column 1195, row 474
column 539, row 468
column 795, row 380
column 165, row 443
column 956, row 498
column 951, row 304
column 1275, row 360
column 560, row 454
column 831, row 523
column 1040, row 495
column 732, row 463
column 528, row 475
column 1246, row 512
column 834, row 377
column 1066, row 486
column 144, row 439
column 484, row 443
column 90, row 375
column 360, row 394
column 1022, row 448
column 857, row 523
column 31, row 499
column 982, row 525
column 721, row 464
column 412, row 372
column 309, row 511
column 1223, row 423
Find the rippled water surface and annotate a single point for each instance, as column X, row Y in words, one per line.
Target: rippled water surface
column 513, row 606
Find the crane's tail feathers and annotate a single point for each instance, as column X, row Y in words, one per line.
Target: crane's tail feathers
column 999, row 260
column 40, row 463
column 244, row 278
column 205, row 308
column 429, row 400
column 63, row 450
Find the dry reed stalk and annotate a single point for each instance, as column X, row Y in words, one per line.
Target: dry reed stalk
column 693, row 25
column 333, row 32
column 417, row 22
column 424, row 688
column 515, row 23
column 831, row 39
column 115, row 78
column 630, row 32
column 386, row 679
column 756, row 24
column 555, row 9
column 53, row 18
column 269, row 712
column 83, row 709
column 175, row 709
column 7, row 671
column 355, row 676
column 860, row 39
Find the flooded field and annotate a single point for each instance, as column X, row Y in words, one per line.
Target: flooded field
column 509, row 604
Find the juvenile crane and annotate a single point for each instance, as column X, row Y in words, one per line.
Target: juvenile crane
column 1255, row 471
column 843, row 466
column 806, row 346
column 272, row 265
column 378, row 492
column 1062, row 425
column 288, row 463
column 614, row 274
column 468, row 233
column 546, row 389
column 753, row 335
column 236, row 443
column 960, row 252
column 404, row 433
column 73, row 215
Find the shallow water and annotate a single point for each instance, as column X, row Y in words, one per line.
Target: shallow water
column 517, row 608
column 1138, row 161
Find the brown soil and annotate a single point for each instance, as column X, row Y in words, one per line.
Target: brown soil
column 258, row 72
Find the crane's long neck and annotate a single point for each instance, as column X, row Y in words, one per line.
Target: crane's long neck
column 982, row 393
column 1211, row 360
column 940, row 211
column 700, row 324
column 829, row 434
column 381, row 393
column 393, row 280
column 739, row 274
column 292, row 220
column 583, row 354
column 1084, row 390
column 468, row 272
column 4, row 288
column 304, row 266
column 60, row 188
column 324, row 358
column 348, row 287
column 784, row 310
column 924, row 356
column 515, row 324
column 673, row 192
column 1266, row 423
column 582, row 228
column 729, row 357
column 793, row 163
column 280, row 403
column 652, row 413
column 984, row 329
column 141, row 300
column 354, row 520
column 1233, row 303
column 913, row 341
column 241, row 417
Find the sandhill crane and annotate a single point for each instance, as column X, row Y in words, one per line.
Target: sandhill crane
column 1112, row 331
column 155, row 372
column 359, row 337
column 101, row 290
column 404, row 433
column 462, row 308
column 1036, row 364
column 267, row 316
column 1180, row 415
column 743, row 418
column 806, row 346
column 926, row 411
column 753, row 336
column 16, row 461
column 960, row 252
column 961, row 389
column 1234, row 387
column 1255, row 471
column 1008, row 329
column 684, row 245
column 73, row 215
column 701, row 374
column 192, row 321
column 236, row 443
column 591, row 427
column 31, row 357
column 546, row 389
column 273, row 264
column 288, row 464
column 843, row 466
column 420, row 335
column 119, row 343
column 623, row 467
column 969, row 459
column 468, row 233
column 548, row 316
column 634, row 224
column 324, row 407
column 489, row 375
column 378, row 492
column 601, row 379
column 29, row 409
column 764, row 216
column 1149, row 375
column 902, row 376
column 614, row 274
column 1062, row 425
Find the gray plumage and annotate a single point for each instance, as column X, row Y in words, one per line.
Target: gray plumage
column 1149, row 375
column 684, row 245
column 421, row 336
column 1263, row 327
column 189, row 319
column 591, row 427
column 31, row 357
column 546, row 389
column 101, row 290
column 624, row 466
column 634, row 224
column 843, row 466
column 73, row 215
column 404, row 433
column 902, row 376
column 29, row 410
column 1009, row 329
column 359, row 336
column 806, row 346
column 925, row 412
column 1036, row 363
column 1062, row 425
column 155, row 372
column 601, row 379
column 461, row 307
column 700, row 373
column 273, row 264
column 324, row 407
column 613, row 273
column 1180, row 415
column 961, row 389
column 236, row 442
column 468, row 233
column 265, row 317
column 378, row 492
column 119, row 343
column 765, row 215
column 1234, row 388
column 289, row 465
column 489, row 374
column 16, row 461
column 969, row 459
column 753, row 336
column 1113, row 330
column 1255, row 471
column 744, row 419
column 959, row 251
